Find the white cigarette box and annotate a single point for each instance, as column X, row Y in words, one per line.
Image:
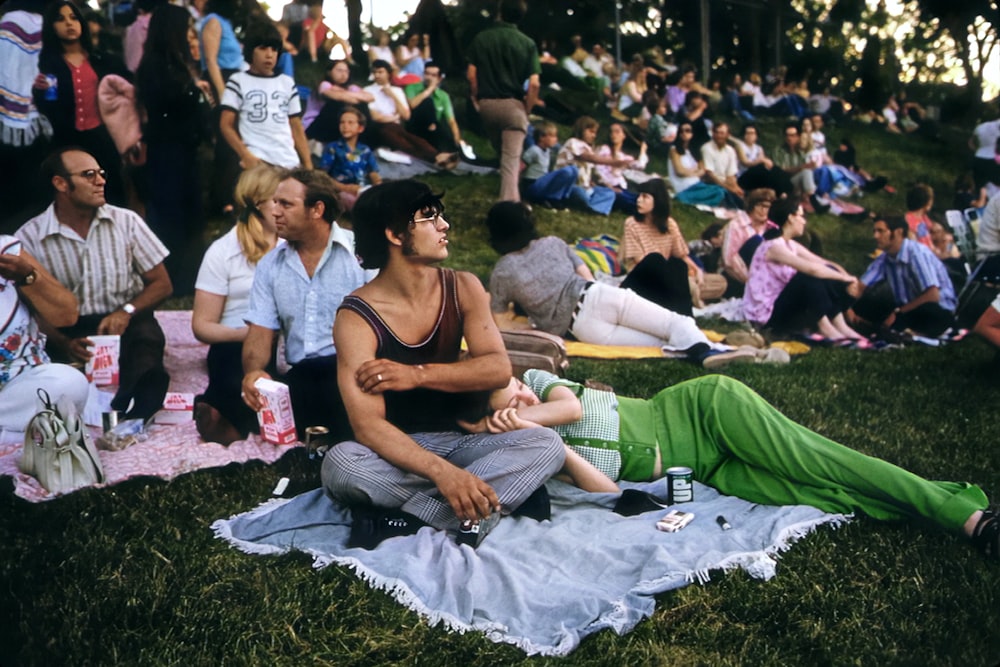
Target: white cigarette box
column 277, row 423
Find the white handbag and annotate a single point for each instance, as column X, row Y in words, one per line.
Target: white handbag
column 58, row 450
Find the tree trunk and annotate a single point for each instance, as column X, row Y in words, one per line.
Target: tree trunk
column 354, row 36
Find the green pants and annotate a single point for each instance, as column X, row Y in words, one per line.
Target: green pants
column 738, row 443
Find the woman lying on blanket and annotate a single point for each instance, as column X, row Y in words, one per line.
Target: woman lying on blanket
column 734, row 441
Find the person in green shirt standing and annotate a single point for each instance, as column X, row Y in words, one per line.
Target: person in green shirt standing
column 501, row 60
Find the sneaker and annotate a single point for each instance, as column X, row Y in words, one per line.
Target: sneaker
column 716, row 359
column 371, row 526
column 467, row 151
column 472, row 533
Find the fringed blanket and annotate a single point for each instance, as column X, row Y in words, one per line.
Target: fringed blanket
column 542, row 586
column 170, row 450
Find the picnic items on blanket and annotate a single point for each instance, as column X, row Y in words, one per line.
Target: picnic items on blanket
column 277, row 423
column 585, row 570
column 530, row 348
column 58, row 451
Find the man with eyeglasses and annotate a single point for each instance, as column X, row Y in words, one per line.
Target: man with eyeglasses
column 790, row 157
column 296, row 290
column 398, row 347
column 111, row 260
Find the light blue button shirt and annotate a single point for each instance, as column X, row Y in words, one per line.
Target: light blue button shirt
column 285, row 298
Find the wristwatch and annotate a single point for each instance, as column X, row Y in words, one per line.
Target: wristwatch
column 29, row 279
column 128, row 308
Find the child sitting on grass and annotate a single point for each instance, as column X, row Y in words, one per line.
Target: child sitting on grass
column 351, row 163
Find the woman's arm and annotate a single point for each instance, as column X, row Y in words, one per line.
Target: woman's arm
column 680, row 169
column 779, row 254
column 206, row 316
column 211, row 38
column 579, row 472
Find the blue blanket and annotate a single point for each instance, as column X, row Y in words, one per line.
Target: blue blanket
column 542, row 586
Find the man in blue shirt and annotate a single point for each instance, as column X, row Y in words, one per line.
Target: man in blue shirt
column 907, row 286
column 297, row 289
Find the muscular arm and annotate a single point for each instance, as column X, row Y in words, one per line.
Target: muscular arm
column 469, row 496
column 487, row 366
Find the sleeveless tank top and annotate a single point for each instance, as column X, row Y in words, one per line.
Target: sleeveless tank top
column 422, row 410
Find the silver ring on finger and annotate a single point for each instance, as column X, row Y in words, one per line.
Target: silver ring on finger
column 379, row 377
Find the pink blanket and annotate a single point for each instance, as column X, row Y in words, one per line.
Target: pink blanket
column 170, row 450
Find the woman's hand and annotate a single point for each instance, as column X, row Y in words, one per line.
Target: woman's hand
column 501, row 421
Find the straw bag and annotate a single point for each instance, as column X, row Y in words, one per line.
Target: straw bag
column 58, row 451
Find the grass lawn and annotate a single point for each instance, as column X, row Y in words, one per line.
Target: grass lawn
column 132, row 575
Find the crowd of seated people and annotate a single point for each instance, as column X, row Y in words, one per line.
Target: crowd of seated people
column 286, row 265
column 195, row 74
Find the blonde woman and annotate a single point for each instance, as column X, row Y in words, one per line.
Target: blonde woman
column 221, row 298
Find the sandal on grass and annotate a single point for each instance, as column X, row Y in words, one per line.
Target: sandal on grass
column 986, row 535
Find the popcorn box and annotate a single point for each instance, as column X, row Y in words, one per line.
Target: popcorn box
column 277, row 423
column 178, row 407
column 102, row 367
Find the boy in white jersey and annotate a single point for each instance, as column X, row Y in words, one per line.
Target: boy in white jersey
column 261, row 110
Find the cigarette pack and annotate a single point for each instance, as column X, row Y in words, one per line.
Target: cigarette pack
column 277, row 423
column 674, row 520
column 102, row 367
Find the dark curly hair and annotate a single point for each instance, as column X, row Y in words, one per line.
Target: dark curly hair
column 511, row 226
column 388, row 206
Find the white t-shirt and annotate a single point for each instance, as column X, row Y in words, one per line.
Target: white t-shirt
column 226, row 272
column 720, row 161
column 264, row 105
column 890, row 116
column 383, row 103
column 986, row 139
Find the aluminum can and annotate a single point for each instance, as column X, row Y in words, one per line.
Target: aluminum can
column 316, row 440
column 52, row 92
column 680, row 485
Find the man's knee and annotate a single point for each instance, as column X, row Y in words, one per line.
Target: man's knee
column 342, row 471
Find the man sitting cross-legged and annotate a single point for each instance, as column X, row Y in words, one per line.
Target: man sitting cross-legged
column 403, row 385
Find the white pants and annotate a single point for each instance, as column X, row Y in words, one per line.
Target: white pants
column 615, row 316
column 19, row 397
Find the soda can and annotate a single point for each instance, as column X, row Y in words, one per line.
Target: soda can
column 316, row 441
column 52, row 92
column 680, row 485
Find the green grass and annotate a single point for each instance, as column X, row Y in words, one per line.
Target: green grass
column 132, row 575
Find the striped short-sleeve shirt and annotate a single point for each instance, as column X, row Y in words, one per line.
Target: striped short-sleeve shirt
column 104, row 270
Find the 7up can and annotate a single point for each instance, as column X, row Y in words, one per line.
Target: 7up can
column 680, row 485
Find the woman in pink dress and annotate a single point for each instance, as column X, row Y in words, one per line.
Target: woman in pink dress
column 793, row 290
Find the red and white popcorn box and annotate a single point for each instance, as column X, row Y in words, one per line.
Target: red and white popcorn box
column 178, row 407
column 102, row 368
column 277, row 423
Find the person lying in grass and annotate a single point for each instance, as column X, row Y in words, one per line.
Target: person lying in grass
column 734, row 441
